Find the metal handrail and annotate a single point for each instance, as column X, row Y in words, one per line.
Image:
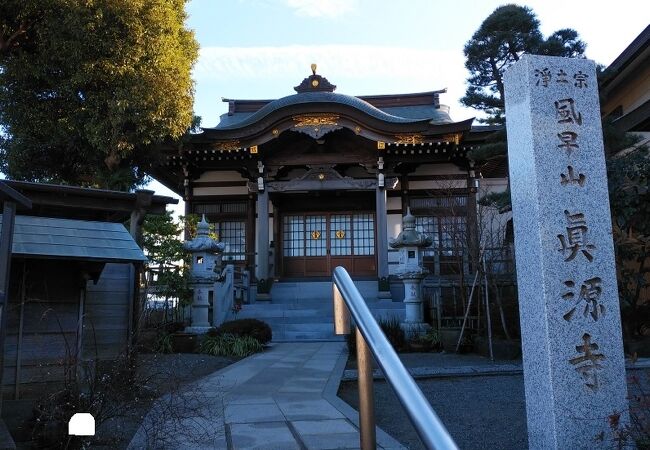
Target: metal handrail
column 348, row 300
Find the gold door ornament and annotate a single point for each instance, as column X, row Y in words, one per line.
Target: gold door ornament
column 340, row 234
column 315, row 234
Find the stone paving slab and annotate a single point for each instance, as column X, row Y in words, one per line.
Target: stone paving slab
column 347, row 441
column 332, row 426
column 298, row 409
column 262, row 435
column 253, row 413
column 283, row 398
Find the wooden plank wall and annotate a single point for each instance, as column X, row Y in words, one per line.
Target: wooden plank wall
column 51, row 317
column 106, row 313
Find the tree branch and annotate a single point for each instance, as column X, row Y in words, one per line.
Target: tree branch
column 5, row 44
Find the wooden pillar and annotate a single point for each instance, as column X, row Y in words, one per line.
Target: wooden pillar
column 382, row 232
column 10, row 200
column 277, row 251
column 6, row 239
column 404, row 186
column 473, row 224
column 262, row 238
column 250, row 233
column 187, row 197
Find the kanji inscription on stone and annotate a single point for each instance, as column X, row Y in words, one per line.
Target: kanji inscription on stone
column 589, row 362
column 570, row 177
column 574, row 371
column 568, row 141
column 588, row 292
column 575, row 239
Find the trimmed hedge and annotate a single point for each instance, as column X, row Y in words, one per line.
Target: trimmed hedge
column 258, row 330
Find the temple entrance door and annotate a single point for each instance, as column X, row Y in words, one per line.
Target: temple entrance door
column 313, row 244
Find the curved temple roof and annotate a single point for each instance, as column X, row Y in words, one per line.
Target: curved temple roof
column 382, row 118
column 325, row 98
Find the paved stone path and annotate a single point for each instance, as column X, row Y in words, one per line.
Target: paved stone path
column 284, row 398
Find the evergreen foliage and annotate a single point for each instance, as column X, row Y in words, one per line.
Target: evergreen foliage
column 506, row 34
column 167, row 269
column 628, row 172
column 89, row 90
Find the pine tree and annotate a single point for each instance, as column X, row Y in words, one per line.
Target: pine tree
column 502, row 38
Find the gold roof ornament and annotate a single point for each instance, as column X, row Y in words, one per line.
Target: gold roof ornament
column 315, row 120
column 227, row 146
column 454, row 137
column 409, row 139
column 313, row 68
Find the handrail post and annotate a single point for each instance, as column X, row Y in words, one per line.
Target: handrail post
column 366, row 395
column 348, row 303
column 341, row 312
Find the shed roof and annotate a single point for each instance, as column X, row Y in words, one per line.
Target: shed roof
column 73, row 202
column 9, row 194
column 47, row 237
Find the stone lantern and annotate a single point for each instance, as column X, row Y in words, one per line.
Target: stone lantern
column 205, row 254
column 411, row 244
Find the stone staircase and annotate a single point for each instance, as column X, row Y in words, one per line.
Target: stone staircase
column 302, row 311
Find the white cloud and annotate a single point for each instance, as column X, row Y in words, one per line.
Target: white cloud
column 351, row 61
column 322, row 8
column 355, row 69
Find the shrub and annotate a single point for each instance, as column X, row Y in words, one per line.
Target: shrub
column 430, row 339
column 391, row 328
column 230, row 345
column 164, row 343
column 393, row 331
column 174, row 327
column 254, row 328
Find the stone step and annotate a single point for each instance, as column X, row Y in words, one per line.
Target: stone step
column 288, row 291
column 315, row 319
column 302, row 311
column 308, row 337
column 283, row 332
column 253, row 310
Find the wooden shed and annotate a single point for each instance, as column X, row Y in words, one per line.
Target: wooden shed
column 73, row 282
column 70, row 296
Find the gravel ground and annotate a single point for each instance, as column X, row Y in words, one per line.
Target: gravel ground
column 473, row 409
column 480, row 412
column 167, row 372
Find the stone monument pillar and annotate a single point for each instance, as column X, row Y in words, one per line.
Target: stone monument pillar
column 204, row 252
column 574, row 369
column 410, row 243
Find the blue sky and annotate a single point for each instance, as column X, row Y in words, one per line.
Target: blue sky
column 262, row 48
